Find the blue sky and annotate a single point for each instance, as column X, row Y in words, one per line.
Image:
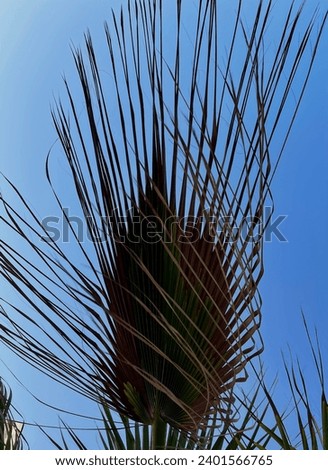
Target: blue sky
column 35, row 38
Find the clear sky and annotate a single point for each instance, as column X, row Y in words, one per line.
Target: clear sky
column 35, row 38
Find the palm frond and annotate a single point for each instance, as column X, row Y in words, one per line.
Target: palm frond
column 294, row 422
column 259, row 425
column 10, row 429
column 171, row 168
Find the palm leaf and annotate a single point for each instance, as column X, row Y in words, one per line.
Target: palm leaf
column 302, row 426
column 165, row 314
column 10, row 429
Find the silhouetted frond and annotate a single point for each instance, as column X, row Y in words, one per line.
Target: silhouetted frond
column 171, row 167
column 10, row 429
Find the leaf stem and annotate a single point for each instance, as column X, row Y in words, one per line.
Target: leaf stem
column 158, row 433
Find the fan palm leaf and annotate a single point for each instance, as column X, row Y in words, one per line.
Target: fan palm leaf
column 171, row 168
column 10, row 430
